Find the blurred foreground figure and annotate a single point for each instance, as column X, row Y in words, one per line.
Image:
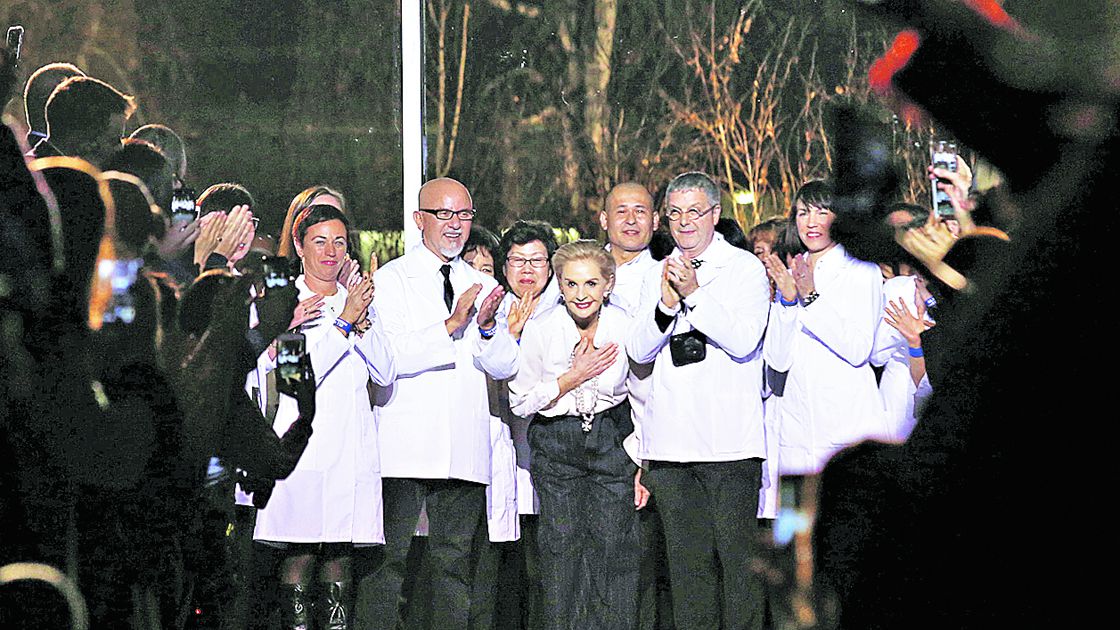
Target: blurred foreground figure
column 959, row 527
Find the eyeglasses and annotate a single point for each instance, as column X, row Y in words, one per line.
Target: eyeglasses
column 693, row 214
column 445, row 214
column 518, row 262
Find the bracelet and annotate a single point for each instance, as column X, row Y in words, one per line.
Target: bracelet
column 917, row 352
column 488, row 333
column 343, row 325
column 782, row 299
column 809, row 299
column 931, row 302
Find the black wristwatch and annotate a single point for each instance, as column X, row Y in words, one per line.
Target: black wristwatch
column 809, row 299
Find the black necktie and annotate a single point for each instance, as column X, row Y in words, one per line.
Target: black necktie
column 448, row 292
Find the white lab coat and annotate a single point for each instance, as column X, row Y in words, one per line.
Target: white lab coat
column 516, row 427
column 709, row 411
column 627, row 293
column 434, row 419
column 830, row 399
column 892, row 352
column 334, row 493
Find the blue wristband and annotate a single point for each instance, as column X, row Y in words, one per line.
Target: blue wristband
column 917, row 353
column 931, row 302
column 782, row 299
column 343, row 325
column 488, row 333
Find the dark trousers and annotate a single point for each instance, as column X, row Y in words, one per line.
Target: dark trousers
column 455, row 510
column 655, row 602
column 588, row 531
column 709, row 512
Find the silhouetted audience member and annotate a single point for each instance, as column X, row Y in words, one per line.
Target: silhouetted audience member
column 170, row 145
column 85, row 119
column 37, row 90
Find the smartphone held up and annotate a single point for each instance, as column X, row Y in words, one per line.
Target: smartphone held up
column 943, row 155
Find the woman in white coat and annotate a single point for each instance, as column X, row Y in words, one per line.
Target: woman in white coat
column 332, row 500
column 522, row 260
column 821, row 330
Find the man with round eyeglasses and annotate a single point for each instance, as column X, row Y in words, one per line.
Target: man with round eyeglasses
column 434, row 420
column 700, row 322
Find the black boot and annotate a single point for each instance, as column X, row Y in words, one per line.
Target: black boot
column 333, row 607
column 295, row 607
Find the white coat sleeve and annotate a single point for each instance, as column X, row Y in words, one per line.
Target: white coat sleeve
column 529, row 392
column 732, row 309
column 781, row 335
column 887, row 339
column 375, row 351
column 845, row 317
column 646, row 339
column 496, row 356
column 326, row 346
column 418, row 345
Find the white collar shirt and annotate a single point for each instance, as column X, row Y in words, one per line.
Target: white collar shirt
column 709, row 411
column 434, row 420
column 628, row 279
column 546, row 354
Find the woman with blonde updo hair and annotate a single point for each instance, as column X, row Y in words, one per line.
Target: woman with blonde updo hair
column 571, row 380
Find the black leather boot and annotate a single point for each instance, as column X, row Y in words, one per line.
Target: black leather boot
column 295, row 607
column 333, row 608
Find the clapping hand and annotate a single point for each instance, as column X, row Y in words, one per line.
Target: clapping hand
column 519, row 313
column 682, row 276
column 489, row 308
column 669, row 295
column 781, row 276
column 803, row 274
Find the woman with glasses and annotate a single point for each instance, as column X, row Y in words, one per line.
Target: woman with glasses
column 571, row 380
column 827, row 307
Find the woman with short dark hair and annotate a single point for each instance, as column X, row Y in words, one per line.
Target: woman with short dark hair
column 821, row 332
column 331, row 502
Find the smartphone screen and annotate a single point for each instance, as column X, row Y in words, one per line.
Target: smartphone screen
column 183, row 208
column 14, row 41
column 121, row 308
column 943, row 154
column 276, row 271
column 290, row 348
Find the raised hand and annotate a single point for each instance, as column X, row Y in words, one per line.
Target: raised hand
column 209, row 236
column 910, row 326
column 589, row 362
column 519, row 313
column 489, row 308
column 358, row 300
column 803, row 274
column 178, row 238
column 669, row 295
column 307, row 310
column 237, row 229
column 464, row 307
column 781, row 276
column 682, row 276
column 363, row 324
